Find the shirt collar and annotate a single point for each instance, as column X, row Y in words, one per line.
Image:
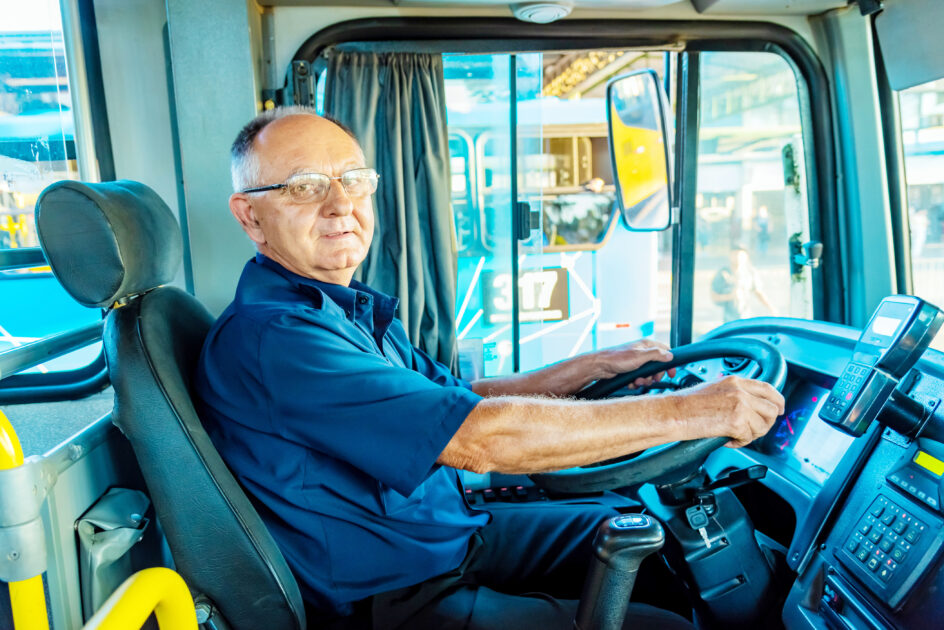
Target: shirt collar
column 384, row 306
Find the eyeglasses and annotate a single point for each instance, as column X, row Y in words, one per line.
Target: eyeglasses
column 304, row 187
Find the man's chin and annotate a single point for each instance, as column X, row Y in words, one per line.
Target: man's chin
column 339, row 263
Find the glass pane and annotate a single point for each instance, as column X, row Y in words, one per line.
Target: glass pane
column 36, row 149
column 922, row 122
column 478, row 114
column 747, row 213
column 604, row 284
column 584, row 281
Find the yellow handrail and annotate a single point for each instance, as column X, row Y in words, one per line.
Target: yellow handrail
column 158, row 590
column 27, row 598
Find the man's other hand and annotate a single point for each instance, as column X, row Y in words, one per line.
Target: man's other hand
column 740, row 408
column 631, row 356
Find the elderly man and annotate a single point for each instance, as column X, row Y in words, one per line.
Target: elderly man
column 348, row 437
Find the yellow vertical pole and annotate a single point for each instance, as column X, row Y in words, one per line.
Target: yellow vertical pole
column 27, row 598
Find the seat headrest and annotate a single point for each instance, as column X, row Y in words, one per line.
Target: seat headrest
column 107, row 241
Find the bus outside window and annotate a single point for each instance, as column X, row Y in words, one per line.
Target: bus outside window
column 584, row 280
column 37, row 148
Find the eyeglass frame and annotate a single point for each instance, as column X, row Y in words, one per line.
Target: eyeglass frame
column 284, row 184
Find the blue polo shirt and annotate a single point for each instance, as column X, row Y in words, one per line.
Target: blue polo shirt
column 333, row 421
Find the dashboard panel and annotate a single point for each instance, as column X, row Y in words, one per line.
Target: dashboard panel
column 869, row 536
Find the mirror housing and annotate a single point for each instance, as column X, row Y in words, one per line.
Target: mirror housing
column 640, row 150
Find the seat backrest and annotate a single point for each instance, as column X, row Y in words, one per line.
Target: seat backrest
column 113, row 245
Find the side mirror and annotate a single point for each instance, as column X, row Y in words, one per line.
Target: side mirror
column 640, row 148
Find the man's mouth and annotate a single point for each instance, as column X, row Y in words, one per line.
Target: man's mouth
column 339, row 234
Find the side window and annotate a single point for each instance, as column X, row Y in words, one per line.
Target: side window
column 582, row 280
column 37, row 148
column 922, row 124
column 751, row 201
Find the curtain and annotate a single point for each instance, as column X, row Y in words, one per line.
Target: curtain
column 395, row 103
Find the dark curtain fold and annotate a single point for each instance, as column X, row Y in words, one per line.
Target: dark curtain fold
column 395, row 103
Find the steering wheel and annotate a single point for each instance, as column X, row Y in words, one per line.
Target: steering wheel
column 677, row 460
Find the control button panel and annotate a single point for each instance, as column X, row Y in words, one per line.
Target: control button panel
column 886, row 545
column 845, row 390
column 505, row 494
column 918, row 482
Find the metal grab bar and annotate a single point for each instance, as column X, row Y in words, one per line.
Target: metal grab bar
column 27, row 598
column 33, row 353
column 158, row 590
column 22, row 257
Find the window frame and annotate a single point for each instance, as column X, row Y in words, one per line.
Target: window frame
column 80, row 40
column 509, row 35
column 895, row 170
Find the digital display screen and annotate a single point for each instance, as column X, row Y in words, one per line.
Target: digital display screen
column 885, row 326
column 930, row 463
column 801, row 439
column 886, row 323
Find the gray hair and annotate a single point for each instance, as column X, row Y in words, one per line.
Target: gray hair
column 244, row 167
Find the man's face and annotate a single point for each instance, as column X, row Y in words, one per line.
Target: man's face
column 327, row 239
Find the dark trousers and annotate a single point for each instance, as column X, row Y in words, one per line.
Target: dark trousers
column 524, row 570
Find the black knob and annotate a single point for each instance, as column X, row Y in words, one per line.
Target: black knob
column 620, row 546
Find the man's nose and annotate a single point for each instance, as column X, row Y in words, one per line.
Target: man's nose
column 337, row 202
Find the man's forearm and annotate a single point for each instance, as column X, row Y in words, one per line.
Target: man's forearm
column 516, row 434
column 512, row 434
column 560, row 379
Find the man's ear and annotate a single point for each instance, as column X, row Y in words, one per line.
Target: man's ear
column 245, row 213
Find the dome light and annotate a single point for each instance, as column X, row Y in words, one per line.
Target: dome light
column 541, row 12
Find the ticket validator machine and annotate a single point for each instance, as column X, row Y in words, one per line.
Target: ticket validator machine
column 898, row 333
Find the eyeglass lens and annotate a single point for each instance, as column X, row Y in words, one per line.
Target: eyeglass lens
column 314, row 186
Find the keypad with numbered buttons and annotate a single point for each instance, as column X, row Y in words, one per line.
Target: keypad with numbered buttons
column 883, row 538
column 845, row 389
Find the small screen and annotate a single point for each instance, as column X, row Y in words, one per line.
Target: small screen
column 885, row 326
column 886, row 322
column 930, row 463
column 804, row 441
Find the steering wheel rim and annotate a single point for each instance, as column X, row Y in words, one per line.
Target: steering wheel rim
column 677, row 459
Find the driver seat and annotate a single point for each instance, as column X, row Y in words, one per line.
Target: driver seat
column 114, row 246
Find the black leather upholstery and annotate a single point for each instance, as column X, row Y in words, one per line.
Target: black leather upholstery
column 219, row 544
column 107, row 241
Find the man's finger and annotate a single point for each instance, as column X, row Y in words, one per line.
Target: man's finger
column 764, row 390
column 766, row 409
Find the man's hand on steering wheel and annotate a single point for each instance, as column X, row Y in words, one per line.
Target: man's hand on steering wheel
column 740, row 408
column 736, row 408
column 632, row 356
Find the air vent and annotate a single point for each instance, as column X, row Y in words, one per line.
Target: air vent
column 541, row 12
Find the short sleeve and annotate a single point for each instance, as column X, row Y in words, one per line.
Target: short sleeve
column 436, row 371
column 353, row 404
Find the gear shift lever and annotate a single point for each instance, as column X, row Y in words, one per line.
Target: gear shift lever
column 620, row 545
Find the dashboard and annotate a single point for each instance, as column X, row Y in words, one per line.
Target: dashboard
column 853, row 526
column 866, row 548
